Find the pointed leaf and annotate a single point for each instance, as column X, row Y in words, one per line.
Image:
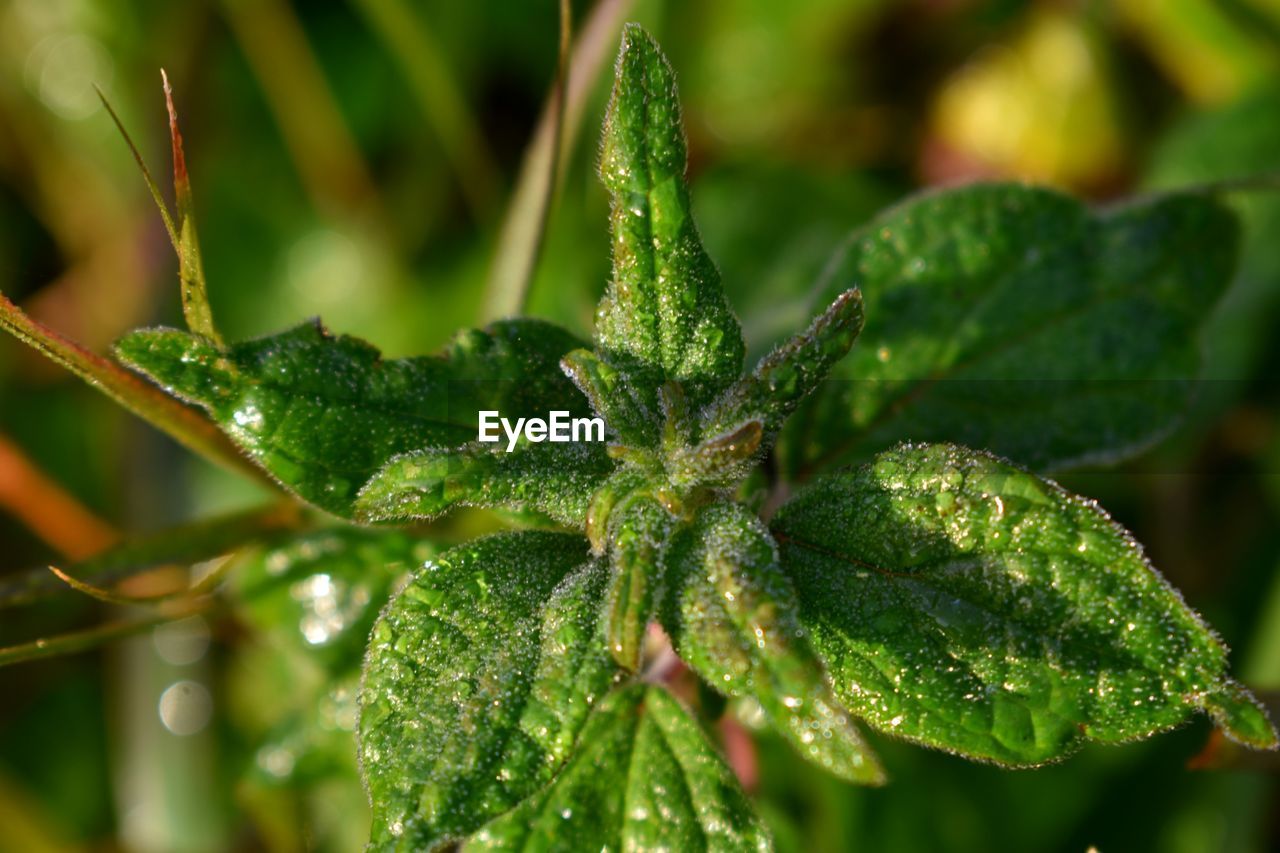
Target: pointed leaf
column 556, row 479
column 664, row 315
column 195, row 291
column 644, row 777
column 721, row 460
column 323, row 414
column 478, row 678
column 732, row 616
column 1016, row 319
column 790, row 373
column 964, row 603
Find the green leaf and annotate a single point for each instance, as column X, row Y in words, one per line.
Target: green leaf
column 664, row 316
column 556, row 479
column 721, row 460
column 964, row 603
column 644, row 777
column 1016, row 319
column 478, row 677
column 321, row 591
column 627, row 413
column 732, row 616
column 640, row 534
column 790, row 373
column 323, row 414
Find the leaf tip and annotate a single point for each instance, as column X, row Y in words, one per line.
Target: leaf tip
column 181, row 181
column 1241, row 717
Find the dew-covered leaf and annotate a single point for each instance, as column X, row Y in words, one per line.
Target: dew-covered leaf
column 478, row 677
column 640, row 534
column 782, row 379
column 1018, row 320
column 664, row 316
column 322, row 414
column 556, row 479
column 732, row 616
column 630, row 414
column 644, row 777
column 967, row 604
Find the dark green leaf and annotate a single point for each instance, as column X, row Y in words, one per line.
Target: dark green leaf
column 732, row 616
column 964, row 603
column 478, row 677
column 323, row 414
column 643, row 778
column 1018, row 320
column 321, row 591
column 556, row 479
column 664, row 315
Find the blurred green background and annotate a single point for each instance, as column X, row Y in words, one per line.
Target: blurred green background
column 353, row 159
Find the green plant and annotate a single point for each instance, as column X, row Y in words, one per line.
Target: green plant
column 937, row 593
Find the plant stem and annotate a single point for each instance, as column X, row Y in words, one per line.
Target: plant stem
column 184, row 424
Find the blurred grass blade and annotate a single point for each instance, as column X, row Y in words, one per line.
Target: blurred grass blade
column 90, row 638
column 185, row 544
column 301, row 101
column 182, row 423
column 413, row 46
column 106, row 596
column 524, row 226
column 195, row 291
column 170, row 228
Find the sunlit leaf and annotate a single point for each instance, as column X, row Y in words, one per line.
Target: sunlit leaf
column 477, row 681
column 323, row 414
column 964, row 603
column 555, row 479
column 732, row 616
column 643, row 778
column 664, row 316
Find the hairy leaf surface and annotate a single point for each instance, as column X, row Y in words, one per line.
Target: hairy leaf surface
column 640, row 535
column 664, row 316
column 555, row 479
column 782, row 379
column 732, row 616
column 322, row 414
column 965, row 603
column 477, row 680
column 1016, row 319
column 643, row 778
